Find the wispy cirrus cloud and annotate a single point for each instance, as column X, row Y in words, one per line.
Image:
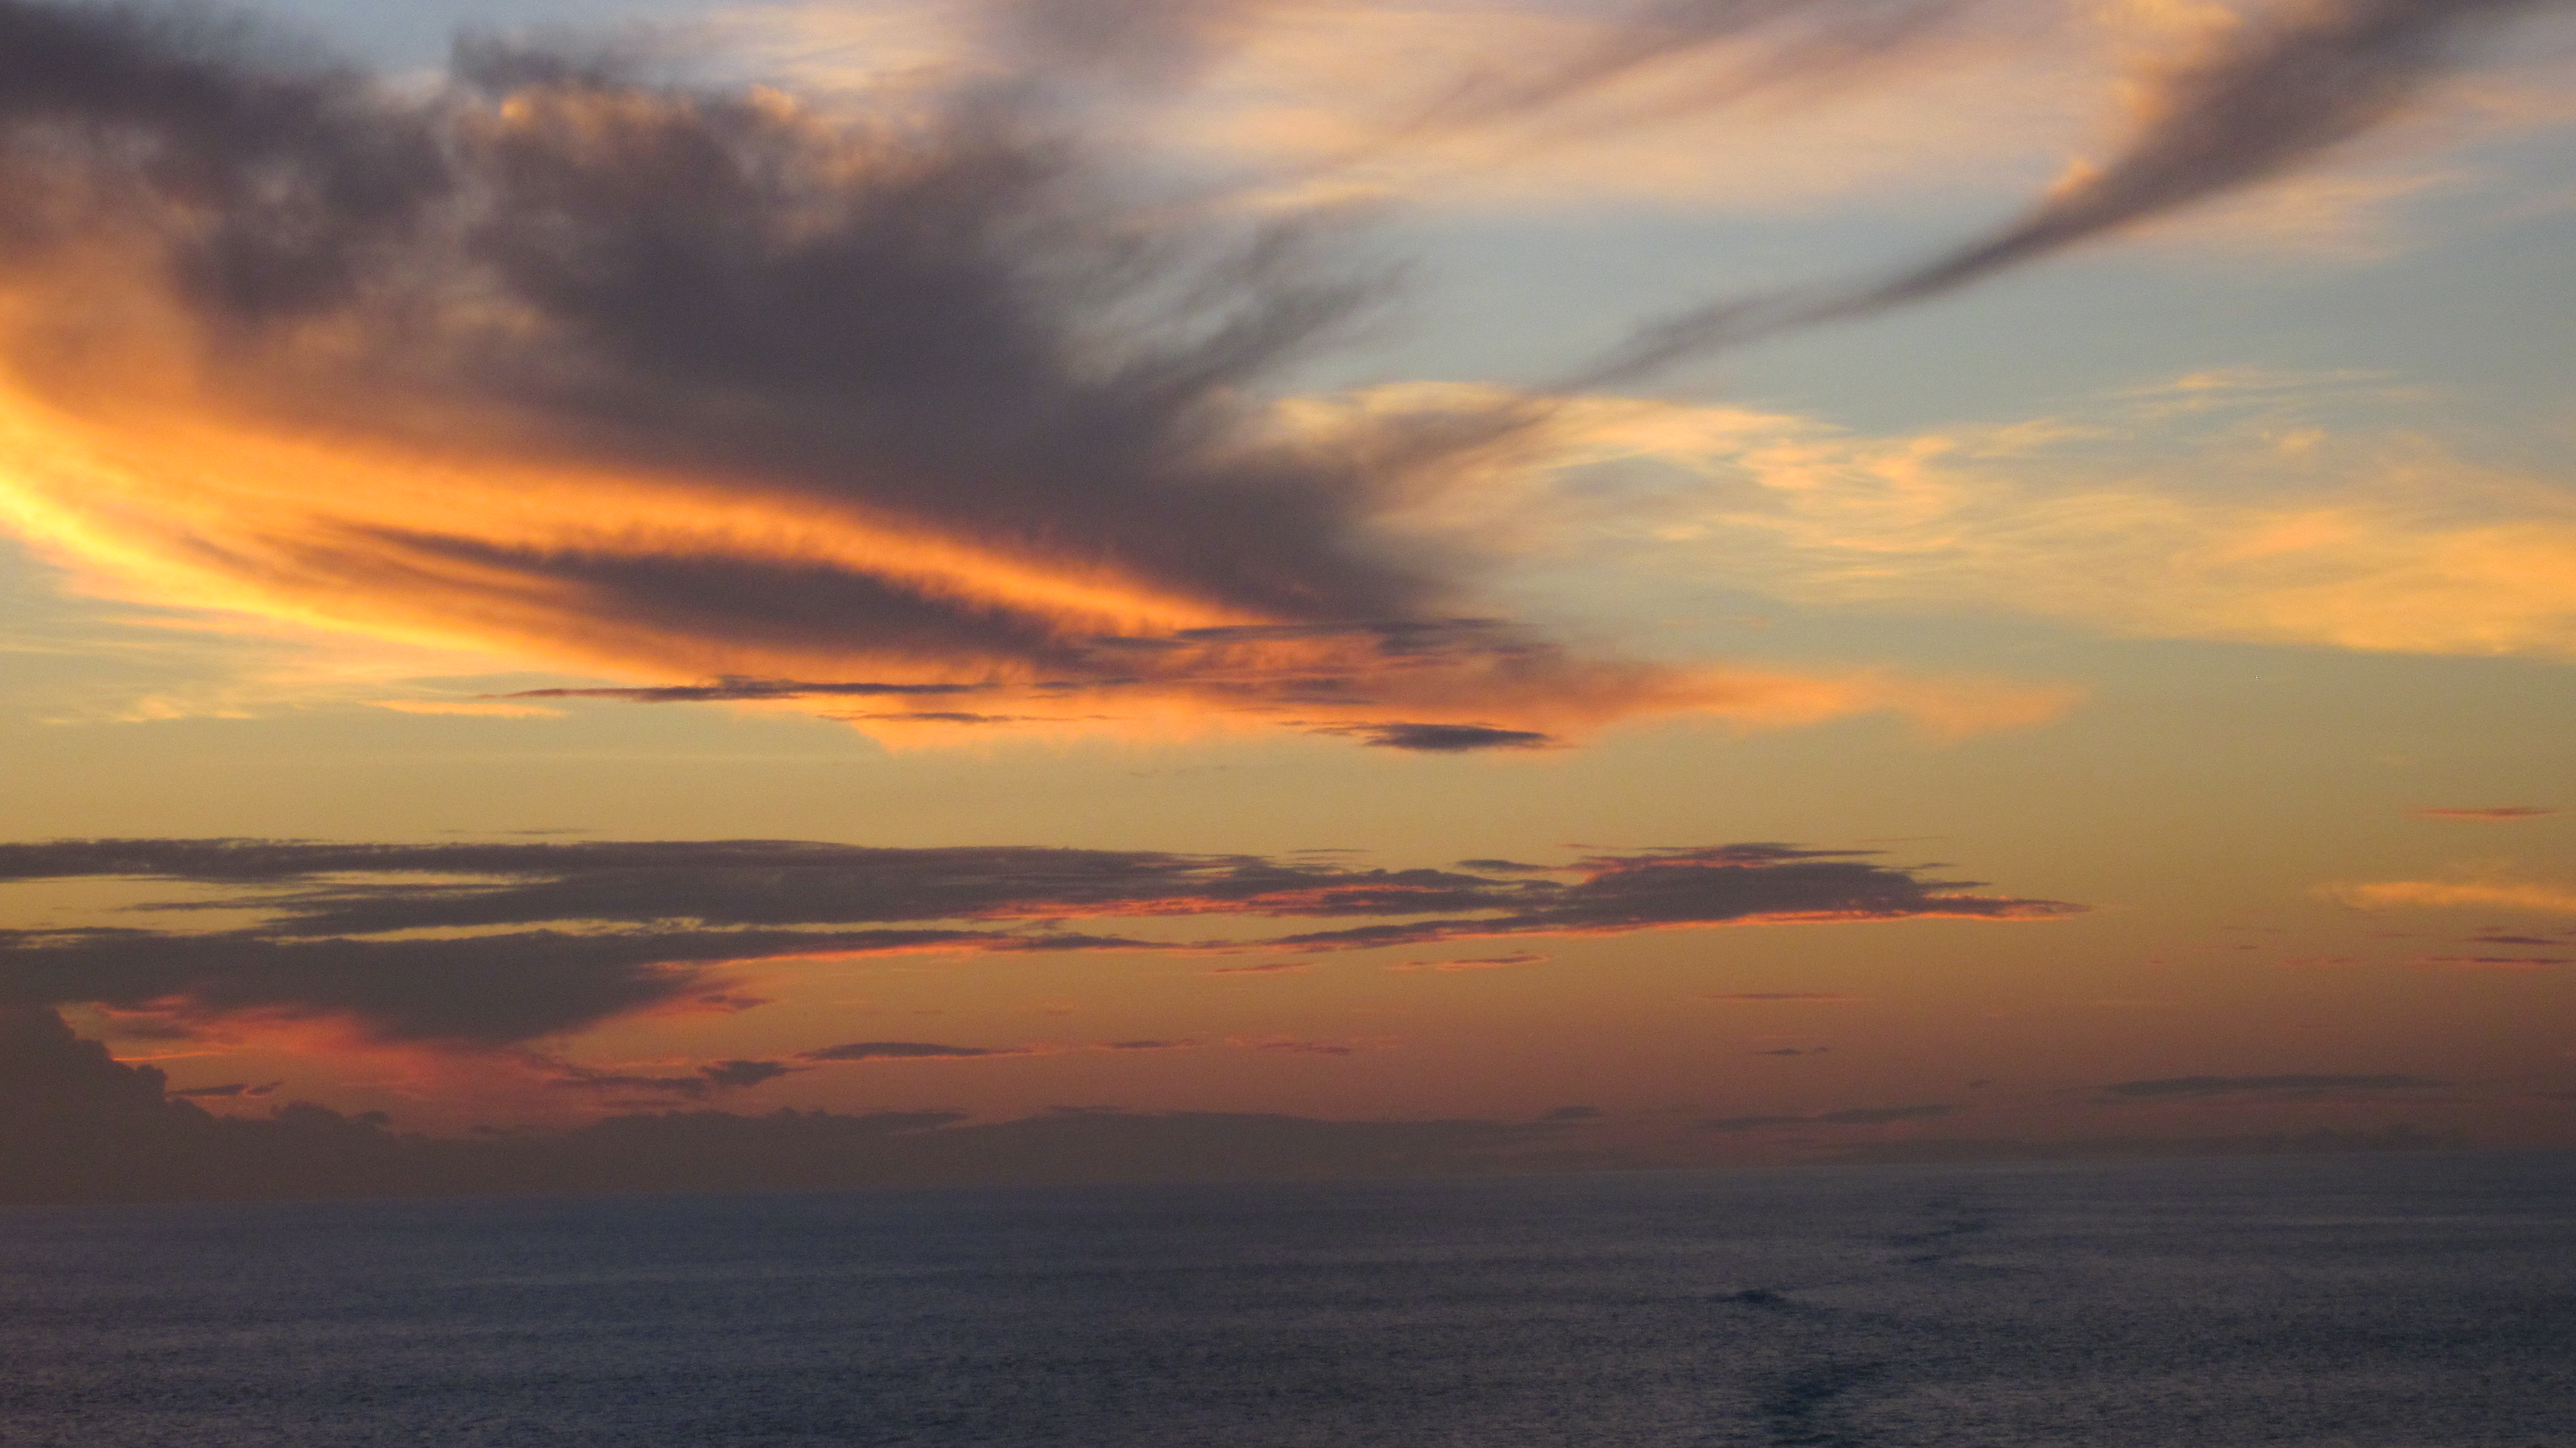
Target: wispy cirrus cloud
column 2261, row 95
column 483, row 945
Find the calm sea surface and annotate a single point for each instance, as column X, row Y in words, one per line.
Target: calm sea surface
column 2425, row 1301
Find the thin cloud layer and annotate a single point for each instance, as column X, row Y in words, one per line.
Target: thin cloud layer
column 540, row 939
column 2287, row 509
column 2209, row 1088
column 1854, row 1116
column 900, row 1051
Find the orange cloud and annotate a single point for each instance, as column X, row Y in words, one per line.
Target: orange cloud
column 676, row 386
column 2455, row 895
column 2230, row 511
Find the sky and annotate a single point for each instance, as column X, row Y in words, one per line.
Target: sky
column 1279, row 587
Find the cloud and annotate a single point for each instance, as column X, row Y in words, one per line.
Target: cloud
column 2207, row 1088
column 1293, row 1046
column 2320, row 1141
column 2494, row 814
column 78, row 1126
column 468, row 991
column 902, row 1051
column 1473, row 962
column 1667, row 889
column 544, row 938
column 1855, row 1116
column 228, row 1091
column 734, row 691
column 705, row 1081
column 2454, row 895
column 2265, row 94
column 2491, row 962
column 1795, row 1051
column 1274, row 967
column 2234, row 504
column 468, row 708
column 1509, row 103
column 929, row 392
column 1439, row 738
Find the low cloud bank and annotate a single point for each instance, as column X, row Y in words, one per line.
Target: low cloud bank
column 78, row 1126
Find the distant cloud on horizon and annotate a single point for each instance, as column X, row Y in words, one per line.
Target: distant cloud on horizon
column 2492, row 814
column 2211, row 1088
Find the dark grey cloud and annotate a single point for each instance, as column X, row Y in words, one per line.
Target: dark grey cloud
column 901, row 1051
column 2265, row 97
column 2190, row 1088
column 705, row 1081
column 1439, row 738
column 472, row 991
column 1712, row 886
column 953, row 314
column 570, row 933
column 229, row 1090
column 78, row 1126
column 1854, row 1116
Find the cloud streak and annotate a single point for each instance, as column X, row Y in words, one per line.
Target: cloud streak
column 2213, row 1088
column 540, row 939
column 2266, row 94
column 1854, row 1116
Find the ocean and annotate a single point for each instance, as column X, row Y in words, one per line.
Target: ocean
column 2411, row 1301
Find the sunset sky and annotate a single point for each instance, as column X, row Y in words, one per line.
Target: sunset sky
column 1724, row 582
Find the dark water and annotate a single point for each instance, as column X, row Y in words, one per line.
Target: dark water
column 2425, row 1301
